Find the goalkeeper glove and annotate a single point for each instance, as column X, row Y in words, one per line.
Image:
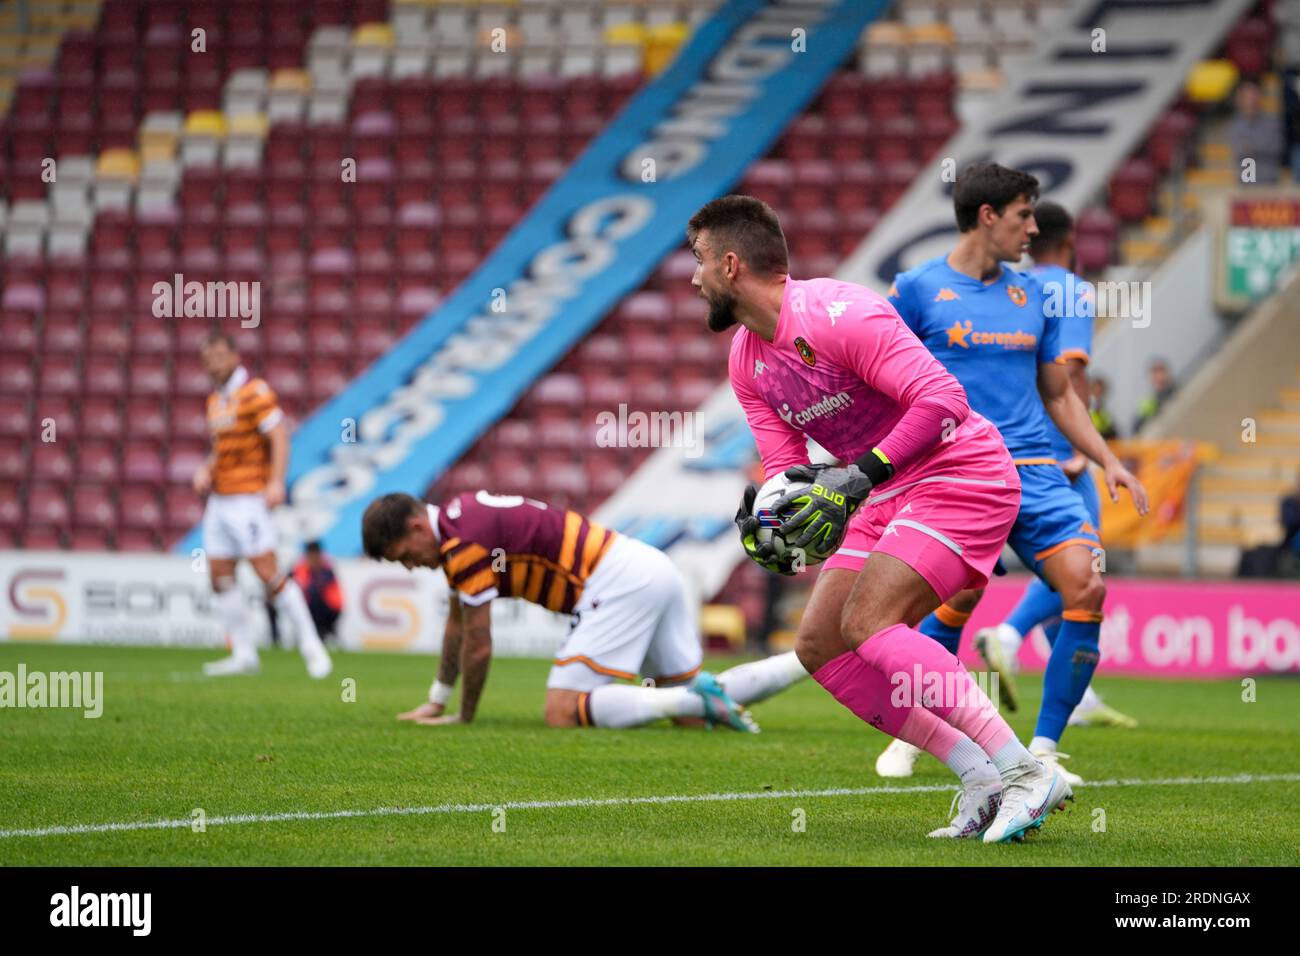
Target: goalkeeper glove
column 832, row 500
column 762, row 554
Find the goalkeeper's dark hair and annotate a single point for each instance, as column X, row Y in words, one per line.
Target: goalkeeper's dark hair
column 385, row 522
column 982, row 184
column 746, row 226
column 1054, row 226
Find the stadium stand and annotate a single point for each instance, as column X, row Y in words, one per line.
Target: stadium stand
column 231, row 170
column 226, row 166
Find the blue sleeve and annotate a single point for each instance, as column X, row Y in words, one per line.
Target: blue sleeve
column 902, row 296
column 1049, row 346
column 1076, row 328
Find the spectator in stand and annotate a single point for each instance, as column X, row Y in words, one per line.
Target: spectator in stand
column 324, row 595
column 1102, row 419
column 1256, row 134
column 1162, row 389
column 1281, row 560
column 1291, row 108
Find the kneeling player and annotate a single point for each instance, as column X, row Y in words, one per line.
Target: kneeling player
column 630, row 612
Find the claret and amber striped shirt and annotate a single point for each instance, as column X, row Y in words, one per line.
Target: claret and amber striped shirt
column 507, row 546
column 240, row 414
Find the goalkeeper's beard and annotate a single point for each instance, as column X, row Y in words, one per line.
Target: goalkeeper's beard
column 722, row 312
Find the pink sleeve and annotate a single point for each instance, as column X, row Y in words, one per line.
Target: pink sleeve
column 892, row 360
column 780, row 445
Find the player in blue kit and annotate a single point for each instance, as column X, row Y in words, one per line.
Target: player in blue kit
column 988, row 324
column 1073, row 300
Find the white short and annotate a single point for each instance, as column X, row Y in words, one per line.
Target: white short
column 634, row 619
column 237, row 526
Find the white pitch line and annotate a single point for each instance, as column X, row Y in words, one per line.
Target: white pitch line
column 187, row 822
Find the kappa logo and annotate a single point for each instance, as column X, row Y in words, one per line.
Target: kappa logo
column 759, row 367
column 946, row 295
column 806, row 353
column 835, row 310
column 1017, row 295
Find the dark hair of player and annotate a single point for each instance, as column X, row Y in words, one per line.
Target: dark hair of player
column 982, row 184
column 746, row 226
column 385, row 522
column 313, row 547
column 1054, row 225
column 225, row 338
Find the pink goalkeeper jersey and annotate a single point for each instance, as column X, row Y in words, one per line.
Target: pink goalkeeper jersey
column 845, row 371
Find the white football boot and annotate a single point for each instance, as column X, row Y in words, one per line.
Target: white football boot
column 1053, row 758
column 1030, row 794
column 318, row 661
column 898, row 759
column 1094, row 712
column 976, row 806
column 994, row 646
column 232, row 665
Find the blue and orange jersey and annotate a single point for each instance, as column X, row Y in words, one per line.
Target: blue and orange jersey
column 992, row 337
column 1075, row 301
column 507, row 546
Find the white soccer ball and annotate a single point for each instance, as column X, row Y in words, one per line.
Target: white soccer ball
column 769, row 521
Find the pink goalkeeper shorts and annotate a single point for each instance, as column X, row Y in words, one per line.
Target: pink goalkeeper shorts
column 949, row 528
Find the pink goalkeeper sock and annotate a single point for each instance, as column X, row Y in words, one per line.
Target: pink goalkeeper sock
column 905, row 657
column 866, row 692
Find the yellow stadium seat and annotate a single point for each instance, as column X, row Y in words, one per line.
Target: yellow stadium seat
column 1211, row 81
column 157, row 150
column 939, row 34
column 295, row 80
column 157, row 142
column 626, row 34
column 249, row 124
column 118, row 164
column 662, row 44
column 887, row 33
column 723, row 620
column 206, row 123
column 373, row 34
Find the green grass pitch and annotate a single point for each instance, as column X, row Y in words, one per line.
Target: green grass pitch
column 171, row 741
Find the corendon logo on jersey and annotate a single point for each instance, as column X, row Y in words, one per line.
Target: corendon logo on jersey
column 1017, row 295
column 963, row 334
column 805, row 352
column 829, row 405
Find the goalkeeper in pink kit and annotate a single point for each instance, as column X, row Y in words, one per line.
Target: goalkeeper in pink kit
column 921, row 506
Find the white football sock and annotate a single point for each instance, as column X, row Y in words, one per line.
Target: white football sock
column 1042, row 745
column 293, row 605
column 231, row 610
column 969, row 762
column 623, row 705
column 1089, row 702
column 749, row 683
